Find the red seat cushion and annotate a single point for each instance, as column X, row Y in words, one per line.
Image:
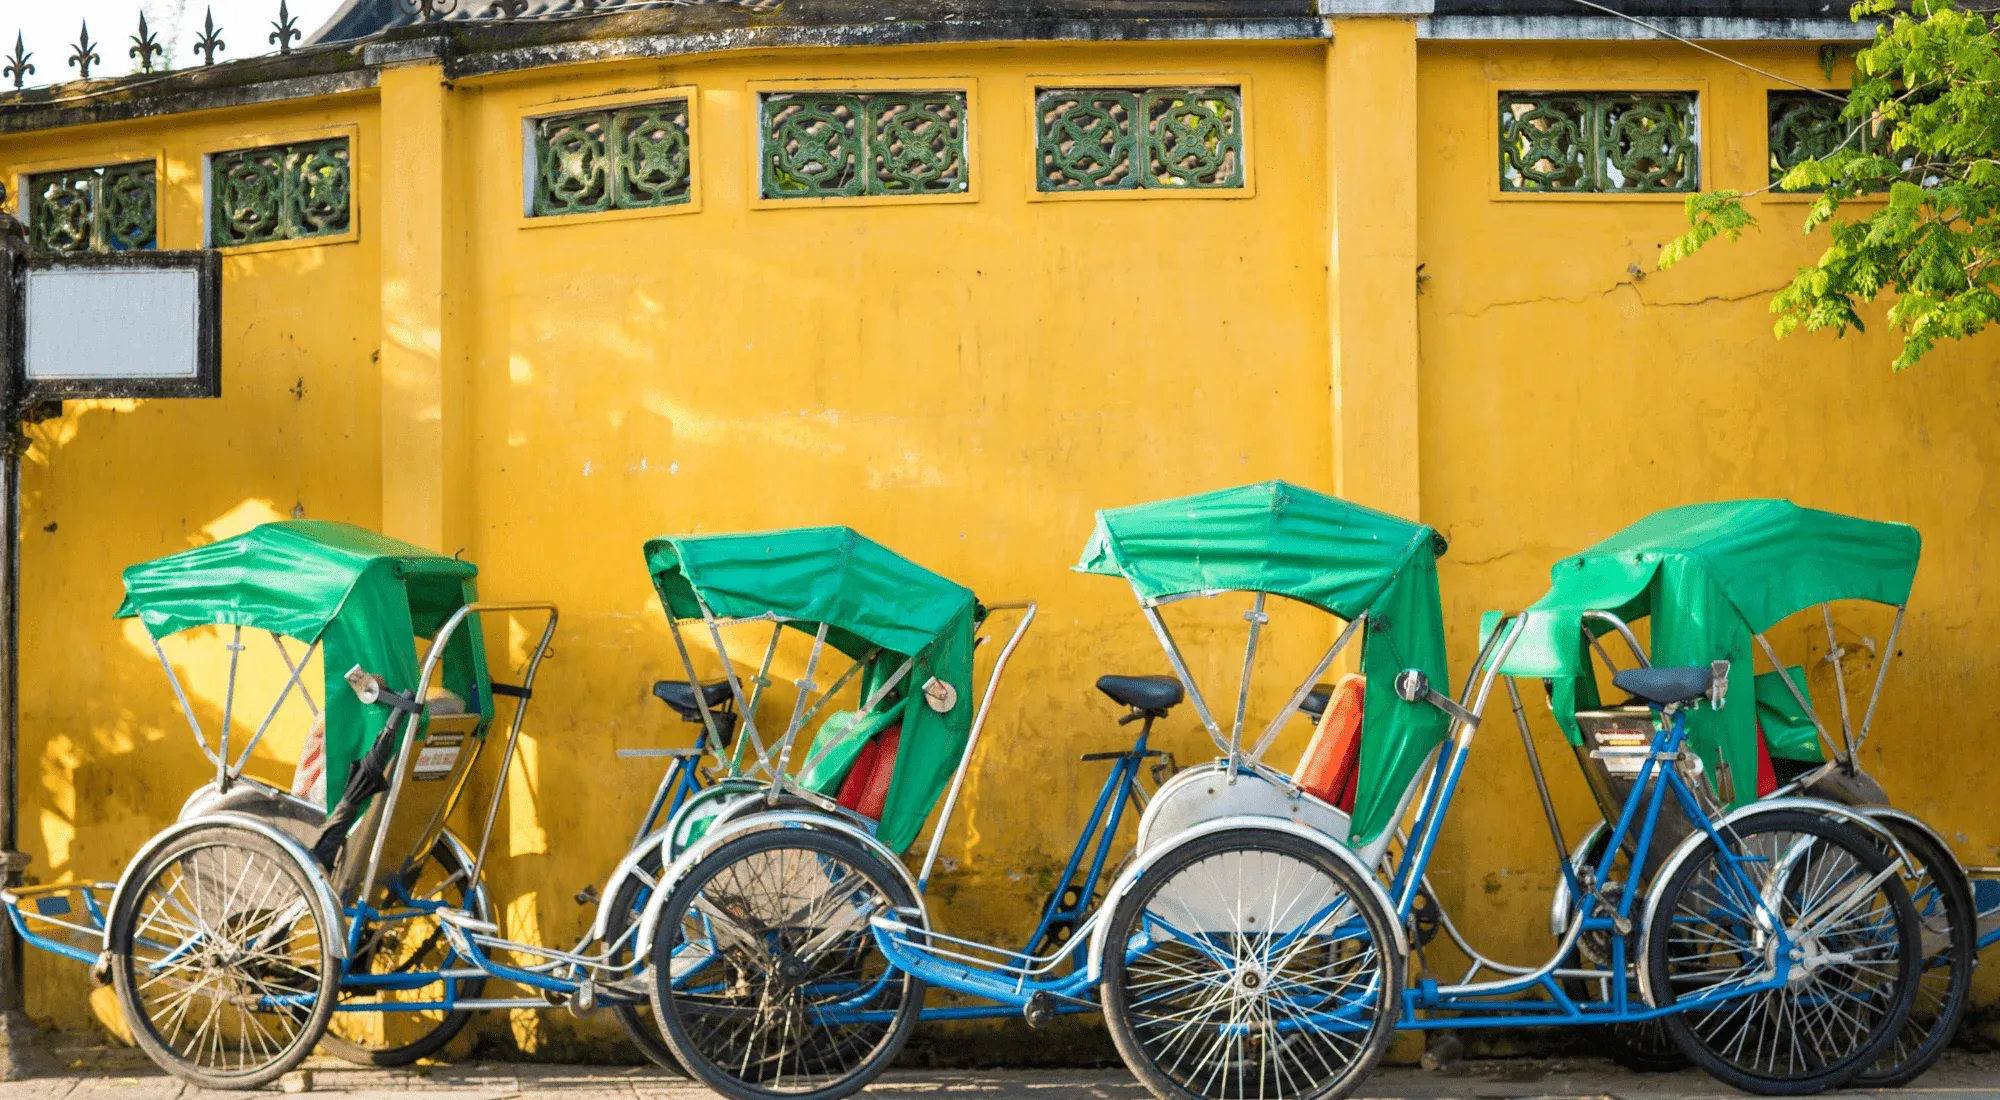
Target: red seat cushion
column 866, row 788
column 1767, row 775
column 1331, row 766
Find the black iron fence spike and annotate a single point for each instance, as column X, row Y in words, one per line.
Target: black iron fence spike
column 508, row 9
column 210, row 43
column 285, row 29
column 427, row 10
column 17, row 68
column 84, row 54
column 145, row 46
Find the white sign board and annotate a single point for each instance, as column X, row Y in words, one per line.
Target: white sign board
column 133, row 324
column 151, row 331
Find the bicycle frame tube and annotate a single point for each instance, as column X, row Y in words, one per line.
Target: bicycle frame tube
column 1118, row 790
column 1444, row 781
column 1028, row 607
column 432, row 659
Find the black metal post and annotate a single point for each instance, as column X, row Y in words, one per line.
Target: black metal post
column 19, row 1048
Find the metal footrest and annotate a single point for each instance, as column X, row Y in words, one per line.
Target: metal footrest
column 1986, row 901
column 67, row 919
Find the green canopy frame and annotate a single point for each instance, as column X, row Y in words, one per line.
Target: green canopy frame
column 361, row 596
column 1360, row 565
column 907, row 631
column 1714, row 578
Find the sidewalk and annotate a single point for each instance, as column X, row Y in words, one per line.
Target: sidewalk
column 117, row 1076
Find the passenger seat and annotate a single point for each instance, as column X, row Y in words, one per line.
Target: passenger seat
column 1331, row 764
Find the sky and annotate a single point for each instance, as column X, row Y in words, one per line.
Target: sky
column 50, row 28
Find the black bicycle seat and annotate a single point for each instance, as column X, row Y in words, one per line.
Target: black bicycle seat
column 1665, row 686
column 1152, row 694
column 1314, row 706
column 678, row 695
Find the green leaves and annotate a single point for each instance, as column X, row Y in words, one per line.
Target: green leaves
column 1709, row 215
column 1925, row 106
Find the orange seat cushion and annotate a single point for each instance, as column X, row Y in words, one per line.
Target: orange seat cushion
column 866, row 788
column 1331, row 766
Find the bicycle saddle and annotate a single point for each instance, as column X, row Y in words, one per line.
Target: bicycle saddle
column 1152, row 694
column 1316, row 700
column 1663, row 686
column 678, row 695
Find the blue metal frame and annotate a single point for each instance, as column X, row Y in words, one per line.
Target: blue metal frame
column 682, row 780
column 1504, row 1003
column 1070, row 992
column 1500, row 1003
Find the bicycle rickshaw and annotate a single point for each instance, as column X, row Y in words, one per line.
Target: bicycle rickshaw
column 1716, row 580
column 775, row 982
column 265, row 916
column 1259, row 944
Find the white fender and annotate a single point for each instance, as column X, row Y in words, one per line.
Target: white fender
column 671, row 877
column 1207, row 793
column 331, row 916
column 1858, row 818
column 1129, row 877
column 627, row 868
column 482, row 902
column 1561, row 911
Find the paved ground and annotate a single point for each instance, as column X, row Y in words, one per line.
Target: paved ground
column 115, row 1076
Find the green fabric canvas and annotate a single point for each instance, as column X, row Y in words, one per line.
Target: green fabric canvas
column 1342, row 558
column 364, row 597
column 1709, row 576
column 869, row 598
column 1788, row 728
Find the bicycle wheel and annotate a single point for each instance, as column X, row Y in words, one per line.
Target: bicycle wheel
column 1251, row 963
column 223, row 960
column 1855, row 950
column 413, row 943
column 779, row 988
column 1943, row 900
column 627, row 906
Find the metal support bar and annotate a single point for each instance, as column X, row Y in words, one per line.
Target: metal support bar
column 1257, row 620
column 694, row 678
column 228, row 711
column 514, row 729
column 1881, row 674
column 826, row 696
column 972, row 739
column 1798, row 695
column 1181, row 670
column 747, row 717
column 1625, row 632
column 243, row 758
column 1305, row 687
column 285, row 655
column 181, row 696
column 867, row 707
column 1834, row 653
column 1541, row 781
column 806, row 688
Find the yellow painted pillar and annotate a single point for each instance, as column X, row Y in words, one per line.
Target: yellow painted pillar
column 425, row 478
column 1371, row 137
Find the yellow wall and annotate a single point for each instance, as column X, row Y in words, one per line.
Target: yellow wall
column 967, row 381
column 106, row 758
column 1564, row 396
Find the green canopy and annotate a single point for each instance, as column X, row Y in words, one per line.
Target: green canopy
column 870, row 599
column 366, row 598
column 1342, row 558
column 1710, row 576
